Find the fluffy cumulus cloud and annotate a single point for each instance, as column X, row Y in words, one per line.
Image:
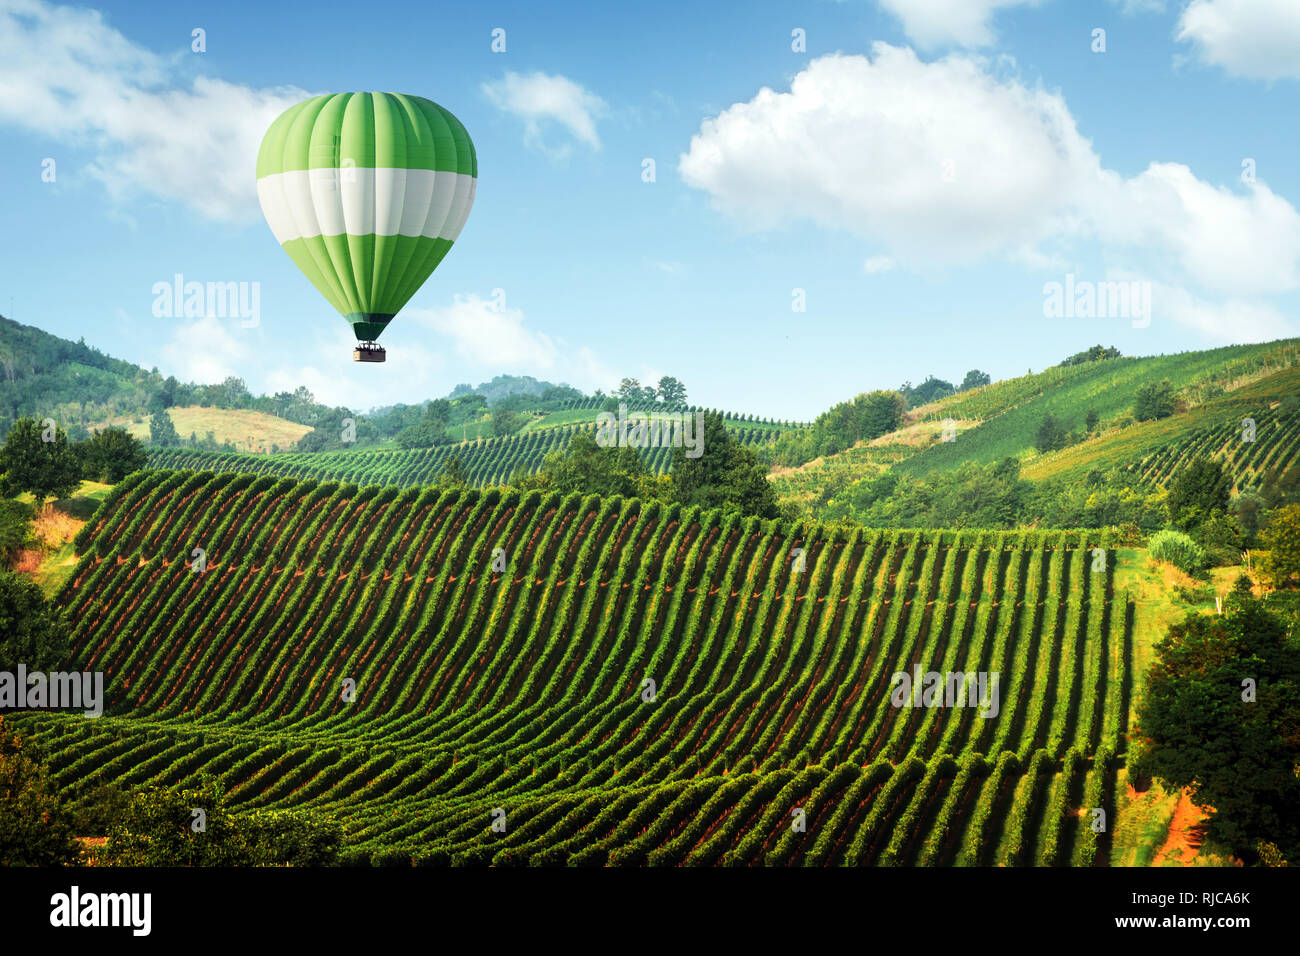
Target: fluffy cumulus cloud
column 932, row 158
column 490, row 335
column 542, row 100
column 149, row 128
column 207, row 350
column 931, row 23
column 1259, row 39
column 952, row 161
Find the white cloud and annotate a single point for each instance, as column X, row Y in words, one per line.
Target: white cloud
column 934, row 159
column 496, row 339
column 1232, row 242
column 931, row 23
column 540, row 99
column 1130, row 8
column 875, row 265
column 150, row 129
column 489, row 335
column 1259, row 39
column 944, row 162
column 1230, row 320
column 206, row 351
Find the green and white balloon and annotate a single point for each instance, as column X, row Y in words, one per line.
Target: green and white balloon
column 366, row 192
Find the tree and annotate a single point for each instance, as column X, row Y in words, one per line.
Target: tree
column 35, row 827
column 31, row 631
column 1198, row 490
column 15, row 530
column 1154, row 400
column 725, row 475
column 507, row 422
column 162, row 432
column 932, row 389
column 158, row 828
column 629, row 389
column 1282, row 539
column 974, row 379
column 1090, row 420
column 588, row 468
column 1051, row 434
column 1236, row 748
column 111, row 454
column 671, row 391
column 1094, row 354
column 30, row 463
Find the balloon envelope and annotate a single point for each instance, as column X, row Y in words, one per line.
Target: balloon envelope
column 366, row 192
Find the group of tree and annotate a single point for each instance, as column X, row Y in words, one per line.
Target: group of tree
column 1094, row 354
column 1154, row 400
column 933, row 388
column 991, row 496
column 37, row 457
column 868, row 416
column 724, row 475
column 668, row 391
column 155, row 826
column 1053, row 434
column 1219, row 712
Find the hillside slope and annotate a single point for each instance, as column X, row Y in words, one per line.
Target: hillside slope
column 1012, row 411
column 490, row 461
column 642, row 684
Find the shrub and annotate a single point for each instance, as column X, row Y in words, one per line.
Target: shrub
column 1178, row 549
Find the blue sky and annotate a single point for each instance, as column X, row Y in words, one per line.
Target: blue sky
column 920, row 171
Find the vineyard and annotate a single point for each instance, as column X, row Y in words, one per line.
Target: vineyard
column 546, row 680
column 489, row 461
column 1152, row 451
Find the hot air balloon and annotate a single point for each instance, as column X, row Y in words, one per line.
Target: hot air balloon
column 366, row 192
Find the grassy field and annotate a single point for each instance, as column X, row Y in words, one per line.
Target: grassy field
column 247, row 430
column 52, row 561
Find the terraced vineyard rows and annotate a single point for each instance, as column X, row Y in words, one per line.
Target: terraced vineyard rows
column 1274, row 447
column 491, row 461
column 641, row 685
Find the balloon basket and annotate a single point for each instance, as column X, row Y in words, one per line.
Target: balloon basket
column 368, row 352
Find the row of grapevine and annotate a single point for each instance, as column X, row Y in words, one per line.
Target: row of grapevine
column 412, row 660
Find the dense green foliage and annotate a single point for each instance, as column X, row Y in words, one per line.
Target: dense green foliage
column 15, row 530
column 990, row 496
column 160, row 827
column 1234, row 744
column 29, row 463
column 1178, row 549
column 1154, row 400
column 35, row 827
column 1094, row 354
column 1281, row 563
column 109, row 455
column 725, row 475
column 31, row 631
column 643, row 684
column 868, row 416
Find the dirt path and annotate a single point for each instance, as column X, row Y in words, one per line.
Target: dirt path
column 1186, row 832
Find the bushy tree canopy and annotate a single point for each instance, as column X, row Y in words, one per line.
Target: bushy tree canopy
column 1201, row 729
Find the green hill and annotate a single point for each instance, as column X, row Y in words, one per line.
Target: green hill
column 489, row 461
column 42, row 375
column 642, row 684
column 1010, row 412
